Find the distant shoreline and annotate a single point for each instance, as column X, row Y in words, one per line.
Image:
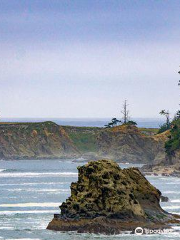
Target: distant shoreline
column 87, row 122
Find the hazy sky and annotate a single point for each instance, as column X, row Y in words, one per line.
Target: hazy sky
column 82, row 58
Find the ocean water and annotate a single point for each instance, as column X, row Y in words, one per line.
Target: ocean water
column 89, row 122
column 31, row 192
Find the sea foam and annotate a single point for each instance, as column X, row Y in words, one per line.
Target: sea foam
column 27, row 212
column 31, row 204
column 38, row 174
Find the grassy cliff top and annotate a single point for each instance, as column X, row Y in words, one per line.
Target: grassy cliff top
column 27, row 123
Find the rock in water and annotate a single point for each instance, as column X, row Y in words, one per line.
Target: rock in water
column 108, row 199
column 164, row 199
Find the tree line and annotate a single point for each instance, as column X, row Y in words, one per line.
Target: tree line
column 173, row 142
column 125, row 118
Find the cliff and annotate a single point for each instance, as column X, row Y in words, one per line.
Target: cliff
column 170, row 163
column 126, row 143
column 107, row 199
column 48, row 140
column 35, row 141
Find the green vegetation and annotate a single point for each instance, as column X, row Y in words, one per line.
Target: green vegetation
column 114, row 122
column 28, row 127
column 173, row 143
column 166, row 126
column 163, row 128
column 125, row 118
column 84, row 138
column 131, row 123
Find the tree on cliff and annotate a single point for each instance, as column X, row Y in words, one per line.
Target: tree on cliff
column 132, row 123
column 167, row 115
column 125, row 118
column 173, row 143
column 125, row 112
column 114, row 122
column 166, row 125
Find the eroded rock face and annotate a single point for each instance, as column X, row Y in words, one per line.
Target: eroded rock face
column 103, row 189
column 35, row 141
column 126, row 143
column 104, row 193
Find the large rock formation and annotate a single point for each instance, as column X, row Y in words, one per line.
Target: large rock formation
column 127, row 143
column 107, row 199
column 35, row 141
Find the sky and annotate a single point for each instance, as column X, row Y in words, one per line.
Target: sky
column 83, row 58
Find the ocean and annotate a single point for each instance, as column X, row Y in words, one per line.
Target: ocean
column 89, row 122
column 31, row 192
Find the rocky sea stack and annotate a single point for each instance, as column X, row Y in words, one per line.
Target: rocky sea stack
column 107, row 199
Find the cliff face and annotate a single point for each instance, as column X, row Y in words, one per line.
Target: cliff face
column 107, row 199
column 49, row 140
column 167, row 165
column 128, row 144
column 34, row 141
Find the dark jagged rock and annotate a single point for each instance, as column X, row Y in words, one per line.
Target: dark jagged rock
column 164, row 199
column 107, row 199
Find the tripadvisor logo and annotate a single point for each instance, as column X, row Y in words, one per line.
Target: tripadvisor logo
column 141, row 231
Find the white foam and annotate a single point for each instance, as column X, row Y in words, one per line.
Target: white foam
column 31, row 204
column 176, row 201
column 38, row 190
column 38, row 183
column 175, row 213
column 2, row 170
column 32, row 174
column 23, row 239
column 176, row 227
column 27, row 212
column 174, row 182
column 6, row 228
column 169, row 192
column 171, row 207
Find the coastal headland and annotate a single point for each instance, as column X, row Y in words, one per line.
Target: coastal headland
column 47, row 140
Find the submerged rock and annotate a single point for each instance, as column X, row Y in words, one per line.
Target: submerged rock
column 108, row 199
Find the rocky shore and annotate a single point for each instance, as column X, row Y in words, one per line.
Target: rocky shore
column 162, row 170
column 107, row 199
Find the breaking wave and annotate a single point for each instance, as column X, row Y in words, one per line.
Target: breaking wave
column 37, row 174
